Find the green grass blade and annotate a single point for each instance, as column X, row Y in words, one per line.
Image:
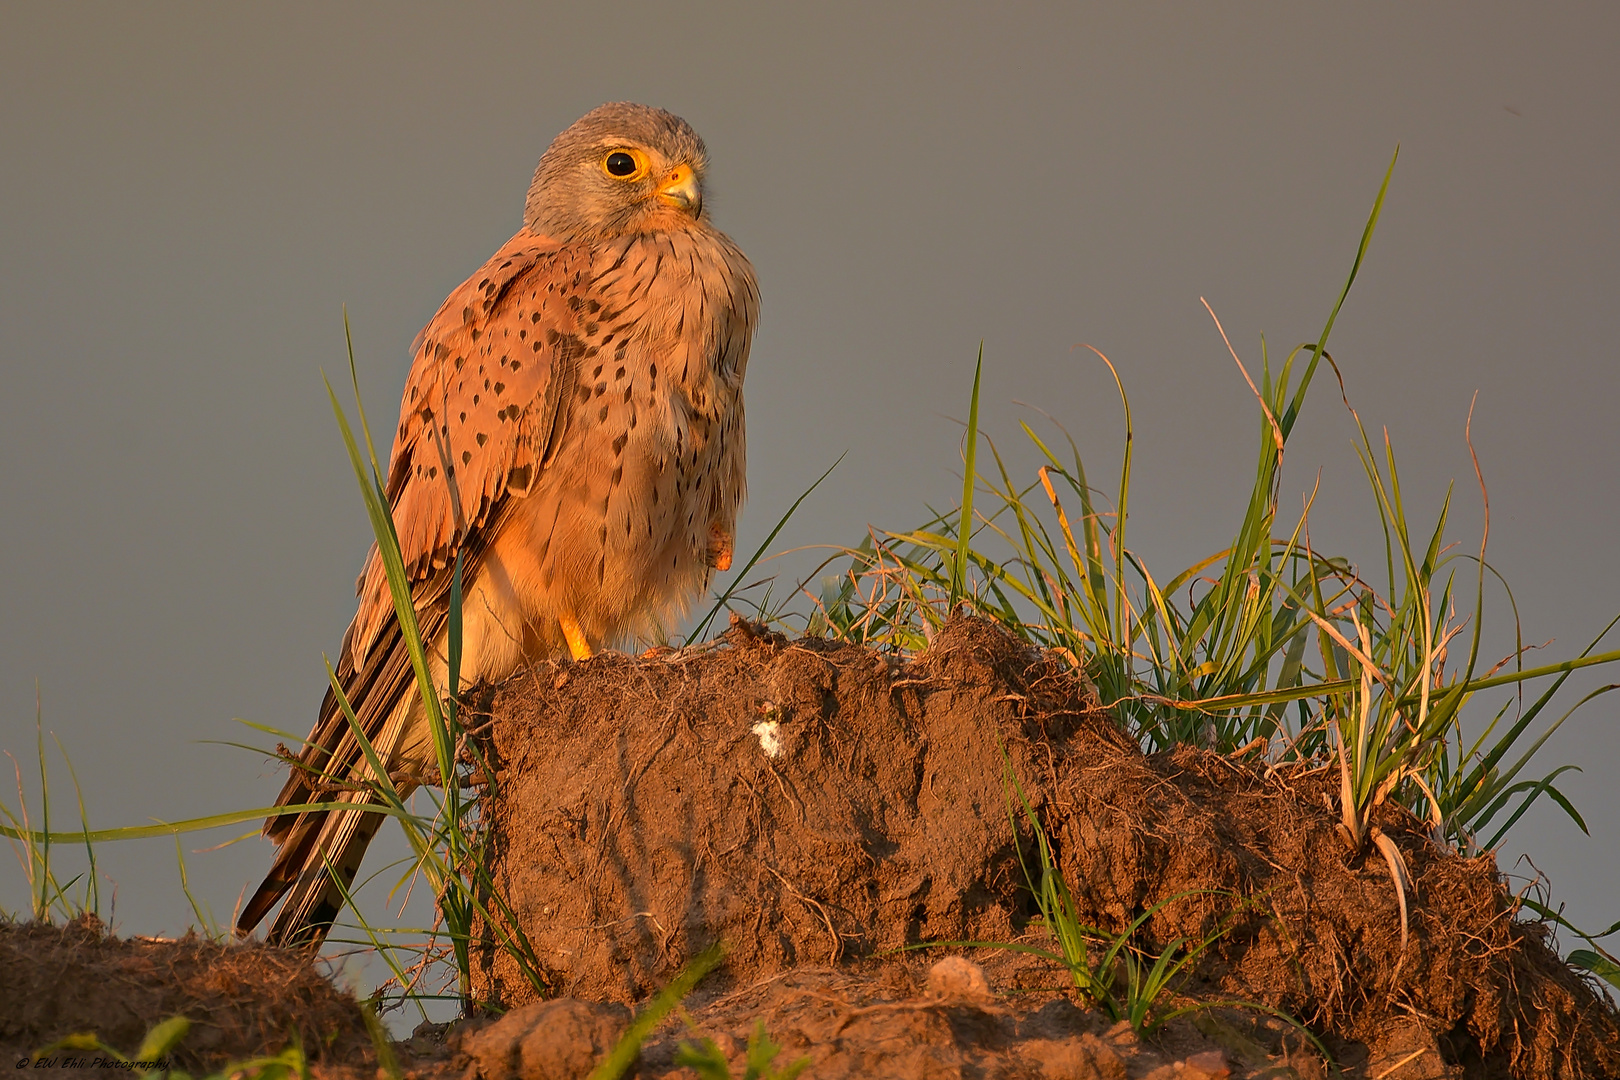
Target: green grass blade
column 1601, row 966
column 163, row 1038
column 964, row 525
column 725, row 597
column 382, row 526
column 624, row 1053
column 170, row 828
column 204, row 922
column 360, row 408
column 46, row 878
column 93, row 889
column 1320, row 347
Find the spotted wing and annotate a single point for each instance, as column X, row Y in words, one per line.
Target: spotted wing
column 481, row 411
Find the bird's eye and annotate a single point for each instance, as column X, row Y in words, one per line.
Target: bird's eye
column 621, row 164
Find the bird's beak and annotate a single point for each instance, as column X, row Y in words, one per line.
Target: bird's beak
column 680, row 190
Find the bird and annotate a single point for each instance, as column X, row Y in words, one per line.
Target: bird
column 572, row 429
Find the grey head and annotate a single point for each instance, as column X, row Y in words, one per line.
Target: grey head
column 621, row 168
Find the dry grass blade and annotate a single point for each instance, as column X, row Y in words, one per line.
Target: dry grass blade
column 1399, row 874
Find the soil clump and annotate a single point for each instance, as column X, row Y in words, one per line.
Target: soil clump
column 243, row 1000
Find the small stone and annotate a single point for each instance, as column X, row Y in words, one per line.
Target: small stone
column 1208, row 1065
column 1084, row 1058
column 958, row 977
column 560, row 1039
column 1122, row 1034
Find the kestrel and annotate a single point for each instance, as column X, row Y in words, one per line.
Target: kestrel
column 572, row 426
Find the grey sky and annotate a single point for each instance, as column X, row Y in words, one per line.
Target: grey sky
column 189, row 194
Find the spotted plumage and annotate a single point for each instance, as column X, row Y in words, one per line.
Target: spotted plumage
column 572, row 427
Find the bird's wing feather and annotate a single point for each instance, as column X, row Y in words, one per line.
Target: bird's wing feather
column 480, row 410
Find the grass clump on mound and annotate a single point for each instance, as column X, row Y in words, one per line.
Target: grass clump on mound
column 1271, row 646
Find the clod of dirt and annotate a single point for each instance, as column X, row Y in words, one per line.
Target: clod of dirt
column 1475, row 991
column 1210, row 1065
column 957, row 977
column 243, row 1000
column 1084, row 1058
column 810, row 803
column 560, row 1039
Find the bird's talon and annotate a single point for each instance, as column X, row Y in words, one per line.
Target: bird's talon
column 718, row 556
column 578, row 647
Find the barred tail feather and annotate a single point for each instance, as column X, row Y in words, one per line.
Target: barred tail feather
column 315, row 897
column 315, row 845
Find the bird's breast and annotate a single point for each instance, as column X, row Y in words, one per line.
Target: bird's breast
column 651, row 457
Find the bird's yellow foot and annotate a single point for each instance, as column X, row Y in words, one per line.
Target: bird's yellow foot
column 577, row 645
column 719, row 554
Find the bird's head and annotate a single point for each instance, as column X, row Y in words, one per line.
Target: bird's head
column 619, row 169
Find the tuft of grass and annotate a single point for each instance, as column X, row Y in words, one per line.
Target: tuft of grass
column 1270, row 643
column 47, row 894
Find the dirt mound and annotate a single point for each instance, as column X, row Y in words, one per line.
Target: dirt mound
column 813, row 804
column 804, row 802
column 243, row 1001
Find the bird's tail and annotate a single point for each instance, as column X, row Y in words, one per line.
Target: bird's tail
column 317, row 894
column 319, row 850
column 315, row 867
